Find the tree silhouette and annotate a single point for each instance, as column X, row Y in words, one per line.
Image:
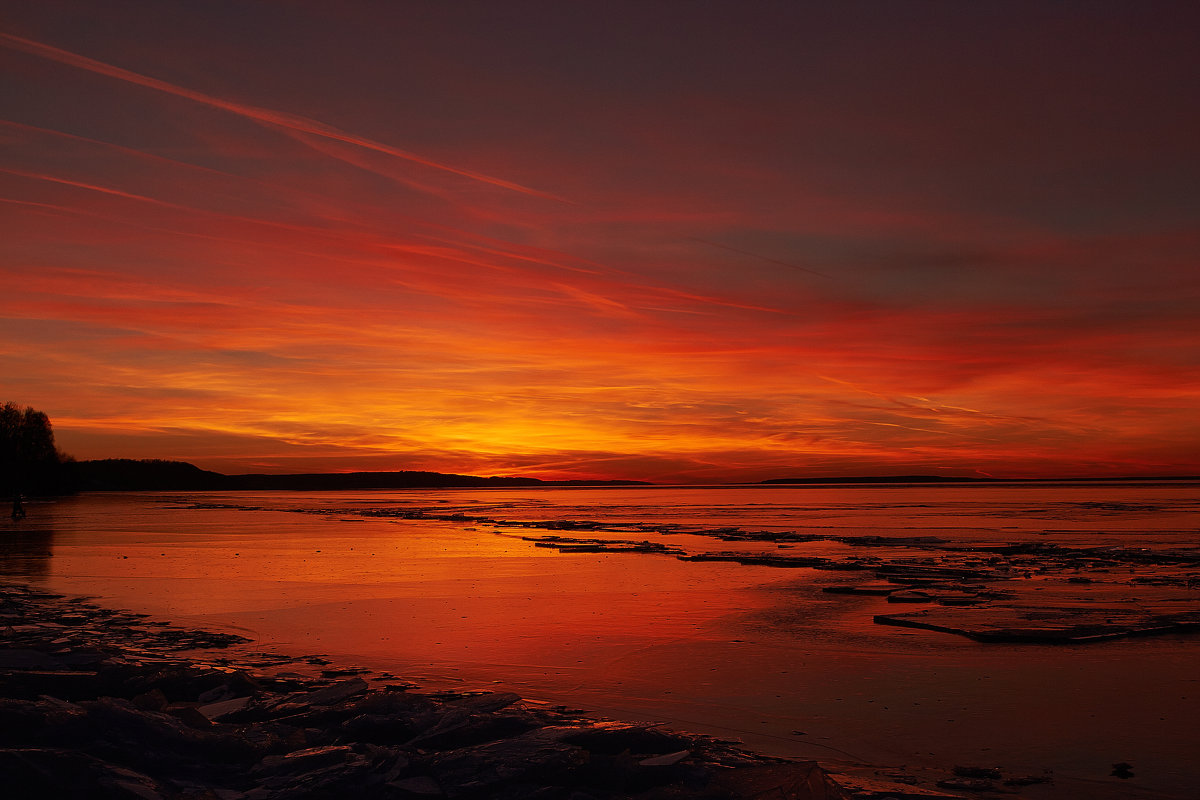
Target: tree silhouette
column 29, row 461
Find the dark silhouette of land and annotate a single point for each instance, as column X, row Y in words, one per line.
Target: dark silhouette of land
column 122, row 474
column 955, row 479
column 30, row 463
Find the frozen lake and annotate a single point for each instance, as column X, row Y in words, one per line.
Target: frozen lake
column 448, row 588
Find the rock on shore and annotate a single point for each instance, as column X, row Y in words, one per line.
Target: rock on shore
column 104, row 705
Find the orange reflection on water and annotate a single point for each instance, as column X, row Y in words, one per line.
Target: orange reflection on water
column 733, row 650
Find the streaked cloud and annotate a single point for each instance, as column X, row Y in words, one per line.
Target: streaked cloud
column 280, row 119
column 780, row 259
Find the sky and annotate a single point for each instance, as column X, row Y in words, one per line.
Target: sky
column 672, row 241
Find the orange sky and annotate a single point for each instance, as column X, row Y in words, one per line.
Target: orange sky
column 678, row 243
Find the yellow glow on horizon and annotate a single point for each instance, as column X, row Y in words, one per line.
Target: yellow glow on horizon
column 202, row 272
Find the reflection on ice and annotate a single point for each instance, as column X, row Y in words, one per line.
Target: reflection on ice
column 452, row 588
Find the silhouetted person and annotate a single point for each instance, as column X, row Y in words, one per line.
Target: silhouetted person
column 18, row 509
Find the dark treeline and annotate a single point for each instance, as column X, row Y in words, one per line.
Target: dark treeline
column 30, row 463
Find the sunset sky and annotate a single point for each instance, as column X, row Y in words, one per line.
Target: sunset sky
column 671, row 241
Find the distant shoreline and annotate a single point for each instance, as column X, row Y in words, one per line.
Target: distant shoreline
column 116, row 475
column 882, row 479
column 158, row 475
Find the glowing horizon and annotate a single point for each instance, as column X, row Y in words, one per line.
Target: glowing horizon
column 757, row 242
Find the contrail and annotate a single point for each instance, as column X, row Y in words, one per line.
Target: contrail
column 263, row 115
column 93, row 187
column 761, row 258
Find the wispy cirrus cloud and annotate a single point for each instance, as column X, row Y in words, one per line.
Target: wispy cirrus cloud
column 281, row 119
column 762, row 273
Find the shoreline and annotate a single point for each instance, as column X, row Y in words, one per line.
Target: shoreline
column 112, row 704
column 104, row 703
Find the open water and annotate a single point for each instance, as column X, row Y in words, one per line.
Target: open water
column 448, row 588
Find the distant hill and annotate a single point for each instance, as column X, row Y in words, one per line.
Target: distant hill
column 123, row 474
column 118, row 474
column 370, row 480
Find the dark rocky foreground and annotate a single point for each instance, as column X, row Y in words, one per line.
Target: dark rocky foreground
column 106, row 704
